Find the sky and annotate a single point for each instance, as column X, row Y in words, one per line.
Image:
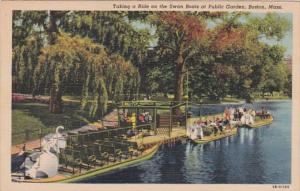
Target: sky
column 286, row 42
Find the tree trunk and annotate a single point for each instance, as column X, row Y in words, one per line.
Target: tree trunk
column 55, row 104
column 52, row 28
column 179, row 79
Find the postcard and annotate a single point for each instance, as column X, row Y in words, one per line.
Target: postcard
column 140, row 95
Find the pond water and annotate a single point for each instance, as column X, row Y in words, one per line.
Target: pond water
column 260, row 155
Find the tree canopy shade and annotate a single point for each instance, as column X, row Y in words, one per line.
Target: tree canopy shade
column 111, row 29
column 109, row 55
column 178, row 33
column 25, row 58
column 223, row 59
column 76, row 59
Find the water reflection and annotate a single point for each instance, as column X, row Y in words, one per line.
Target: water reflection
column 173, row 162
column 151, row 167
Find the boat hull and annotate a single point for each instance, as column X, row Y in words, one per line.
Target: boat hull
column 94, row 172
column 211, row 138
column 261, row 123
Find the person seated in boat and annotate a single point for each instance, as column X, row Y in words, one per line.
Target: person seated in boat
column 267, row 114
column 236, row 114
column 228, row 116
column 226, row 122
column 127, row 117
column 253, row 113
column 123, row 118
column 211, row 123
column 220, row 125
column 263, row 113
column 216, row 130
column 206, row 122
column 220, row 128
column 141, row 118
column 230, row 126
column 203, row 123
column 241, row 112
column 226, row 125
column 262, row 110
column 149, row 118
column 146, row 117
column 231, row 113
column 226, row 113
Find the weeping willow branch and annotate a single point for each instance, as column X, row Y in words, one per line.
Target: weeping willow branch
column 81, row 60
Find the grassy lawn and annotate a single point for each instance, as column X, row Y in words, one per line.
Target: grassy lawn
column 33, row 116
column 274, row 97
column 231, row 100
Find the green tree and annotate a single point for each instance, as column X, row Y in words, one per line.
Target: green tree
column 25, row 58
column 185, row 35
column 114, row 30
column 178, row 33
column 79, row 59
column 252, row 58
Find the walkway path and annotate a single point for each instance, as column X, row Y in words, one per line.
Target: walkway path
column 30, row 145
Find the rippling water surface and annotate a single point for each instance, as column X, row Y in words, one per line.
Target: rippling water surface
column 260, row 155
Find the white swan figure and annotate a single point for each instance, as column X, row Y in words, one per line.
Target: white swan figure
column 45, row 163
column 54, row 142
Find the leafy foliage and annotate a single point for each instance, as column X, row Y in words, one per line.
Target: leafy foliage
column 76, row 59
column 107, row 56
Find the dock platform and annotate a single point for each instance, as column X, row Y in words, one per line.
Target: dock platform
column 176, row 134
